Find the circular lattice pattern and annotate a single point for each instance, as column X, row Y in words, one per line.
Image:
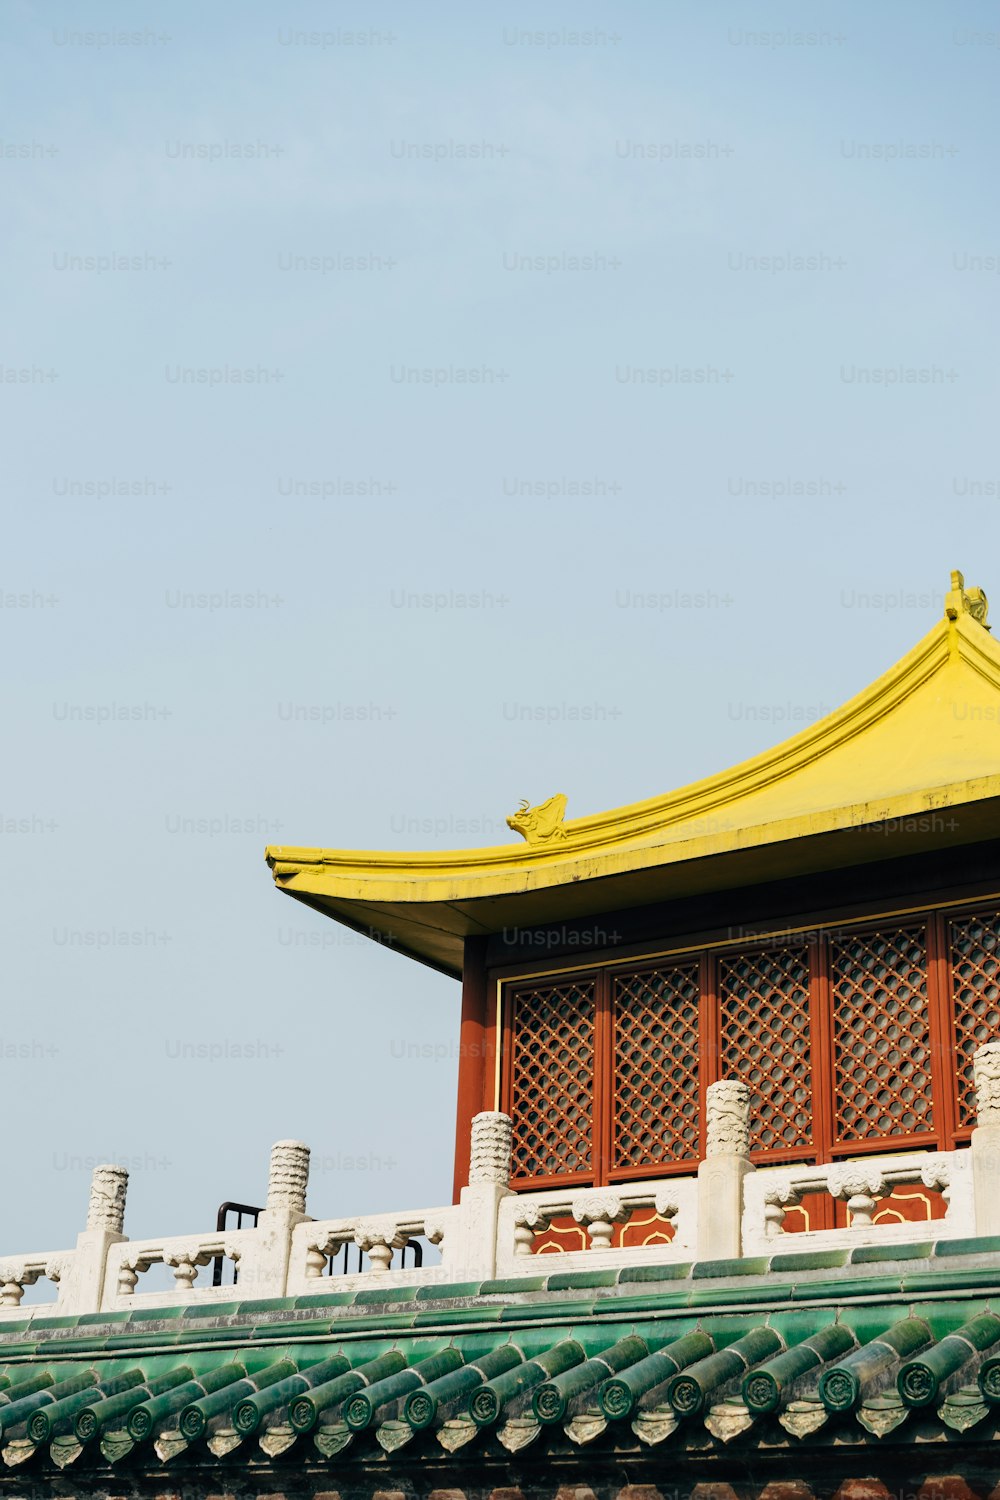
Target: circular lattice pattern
column 975, row 960
column 881, row 1036
column 552, row 1079
column 657, row 1109
column 764, row 1032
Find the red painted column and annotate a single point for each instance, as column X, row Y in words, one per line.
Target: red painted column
column 471, row 1053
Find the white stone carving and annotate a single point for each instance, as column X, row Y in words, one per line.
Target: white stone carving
column 106, row 1209
column 665, row 1204
column 288, row 1177
column 600, row 1211
column 491, row 1144
column 15, row 1275
column 779, row 1197
column 529, row 1219
column 728, row 1118
column 862, row 1185
column 378, row 1238
column 185, row 1260
column 986, row 1073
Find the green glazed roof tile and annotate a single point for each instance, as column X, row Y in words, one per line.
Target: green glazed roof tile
column 444, row 1293
column 220, row 1309
column 511, row 1285
column 738, row 1295
column 861, row 1286
column 984, row 1245
column 264, row 1304
column 154, row 1314
column 866, row 1254
column 678, row 1272
column 547, row 1310
column 810, row 1260
column 376, row 1296
column 481, row 1314
column 119, row 1316
column 53, row 1322
column 571, row 1281
column 328, row 1299
column 978, row 1277
column 749, row 1265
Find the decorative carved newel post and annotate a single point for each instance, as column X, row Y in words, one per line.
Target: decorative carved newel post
column 489, row 1182
column 721, row 1174
column 986, row 1139
column 81, row 1284
column 264, row 1261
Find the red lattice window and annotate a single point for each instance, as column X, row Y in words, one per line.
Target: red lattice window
column 974, row 947
column 881, row 1034
column 552, row 1079
column 860, row 1040
column 764, row 1040
column 657, row 1106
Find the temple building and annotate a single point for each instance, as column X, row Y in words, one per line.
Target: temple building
column 726, row 1209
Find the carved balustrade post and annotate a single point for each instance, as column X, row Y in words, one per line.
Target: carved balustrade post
column 265, row 1258
column 85, row 1285
column 778, row 1198
column 529, row 1219
column 472, row 1250
column 600, row 1211
column 721, row 1174
column 986, row 1139
column 861, row 1185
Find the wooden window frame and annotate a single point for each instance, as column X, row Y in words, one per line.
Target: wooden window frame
column 602, row 968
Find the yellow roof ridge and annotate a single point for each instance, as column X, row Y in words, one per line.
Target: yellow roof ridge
column 959, row 640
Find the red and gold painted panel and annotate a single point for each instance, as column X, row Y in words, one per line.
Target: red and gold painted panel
column 644, row 1228
column 764, row 1040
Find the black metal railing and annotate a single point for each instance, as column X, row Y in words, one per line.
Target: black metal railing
column 239, row 1211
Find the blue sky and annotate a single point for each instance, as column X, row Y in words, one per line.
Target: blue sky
column 672, row 344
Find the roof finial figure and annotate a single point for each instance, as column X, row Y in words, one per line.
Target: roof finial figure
column 542, row 824
column 965, row 601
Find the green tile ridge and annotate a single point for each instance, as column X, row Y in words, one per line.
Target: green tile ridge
column 266, row 1304
column 212, row 1310
column 442, row 1293
column 748, row 1265
column 679, row 1271
column 511, row 1285
column 865, row 1254
column 986, row 1244
column 861, row 1286
column 446, row 1316
column 326, row 1299
column 571, row 1281
column 810, row 1260
column 558, row 1311
column 377, row 1296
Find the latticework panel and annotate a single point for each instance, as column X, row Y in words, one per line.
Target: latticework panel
column 975, row 968
column 764, row 1040
column 881, row 1037
column 552, row 1079
column 656, row 1103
